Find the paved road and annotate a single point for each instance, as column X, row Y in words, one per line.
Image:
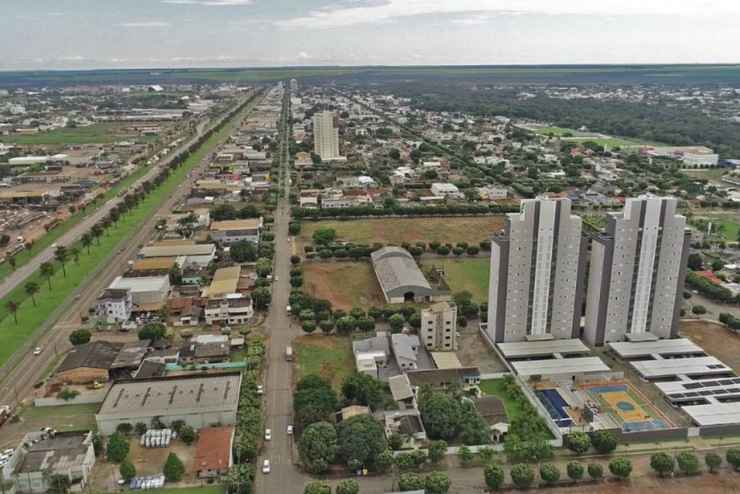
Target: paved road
column 30, row 370
column 19, row 275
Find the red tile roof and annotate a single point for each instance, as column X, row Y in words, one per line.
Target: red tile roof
column 213, row 451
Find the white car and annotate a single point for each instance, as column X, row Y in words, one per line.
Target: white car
column 260, row 389
column 37, row 350
column 266, row 466
column 290, row 430
column 268, row 435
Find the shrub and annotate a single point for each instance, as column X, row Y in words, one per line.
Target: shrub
column 117, row 448
column 317, row 487
column 140, row 428
column 125, row 428
column 437, row 450
column 395, row 441
column 662, row 463
column 578, row 442
column 575, row 470
column 733, row 457
column 173, row 468
column 437, row 483
column 466, row 456
column 549, row 473
column 522, row 476
column 494, row 476
column 349, row 486
column 127, row 470
column 713, row 461
column 67, row 394
column 604, row 441
column 620, row 468
column 595, row 471
column 688, row 463
column 699, row 309
column 80, row 336
column 410, row 482
column 187, row 434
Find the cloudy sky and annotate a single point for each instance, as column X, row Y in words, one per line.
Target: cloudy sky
column 38, row 34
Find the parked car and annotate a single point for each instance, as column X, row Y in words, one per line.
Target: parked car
column 290, row 430
column 37, row 350
column 268, row 435
column 266, row 466
column 260, row 389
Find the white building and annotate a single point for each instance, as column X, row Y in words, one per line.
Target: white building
column 637, row 273
column 537, row 269
column 325, row 136
column 233, row 309
column 445, row 190
column 439, row 327
column 232, row 231
column 115, row 305
column 147, row 292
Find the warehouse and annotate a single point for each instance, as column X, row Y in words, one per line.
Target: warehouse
column 400, row 277
column 148, row 293
column 200, row 401
column 231, row 231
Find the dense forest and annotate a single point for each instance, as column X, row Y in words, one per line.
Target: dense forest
column 665, row 122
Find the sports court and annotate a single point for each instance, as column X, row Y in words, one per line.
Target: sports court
column 624, row 404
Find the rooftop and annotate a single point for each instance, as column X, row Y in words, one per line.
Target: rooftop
column 248, row 224
column 65, row 451
column 446, row 360
column 690, row 366
column 396, row 268
column 213, row 450
column 677, row 346
column 154, row 264
column 141, row 284
column 225, row 281
column 95, row 355
column 176, row 250
column 541, row 348
column 556, row 366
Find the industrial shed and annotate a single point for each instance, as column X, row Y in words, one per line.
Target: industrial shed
column 400, row 277
column 200, row 401
column 87, row 363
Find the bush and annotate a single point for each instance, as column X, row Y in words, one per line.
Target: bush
column 317, row 487
column 713, row 461
column 549, row 473
column 578, row 442
column 127, row 470
column 410, row 482
column 466, row 456
column 437, row 483
column 575, row 471
column 595, row 471
column 80, row 337
column 688, row 463
column 437, row 450
column 295, row 260
column 522, row 476
column 733, row 457
column 620, row 468
column 140, row 428
column 349, row 486
column 173, row 468
column 117, row 448
column 125, row 428
column 396, row 322
column 699, row 309
column 662, row 463
column 187, row 434
column 494, row 476
column 395, row 441
column 67, row 394
column 604, row 442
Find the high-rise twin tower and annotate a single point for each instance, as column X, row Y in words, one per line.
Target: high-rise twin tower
column 628, row 286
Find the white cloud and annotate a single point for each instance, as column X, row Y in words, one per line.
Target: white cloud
column 303, row 55
column 348, row 15
column 210, row 3
column 145, row 24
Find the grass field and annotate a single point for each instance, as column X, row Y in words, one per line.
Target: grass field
column 399, row 230
column 728, row 223
column 495, row 387
column 465, row 274
column 328, row 356
column 61, row 418
column 13, row 335
column 101, row 133
column 344, row 284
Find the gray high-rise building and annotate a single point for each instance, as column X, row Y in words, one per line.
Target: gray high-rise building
column 637, row 273
column 325, row 136
column 537, row 271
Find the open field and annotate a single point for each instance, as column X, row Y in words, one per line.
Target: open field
column 398, row 230
column 578, row 136
column 495, row 387
column 471, row 274
column 61, row 418
column 327, row 356
column 30, row 317
column 101, row 133
column 716, row 339
column 344, row 284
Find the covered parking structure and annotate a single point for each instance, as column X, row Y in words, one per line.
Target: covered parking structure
column 400, row 277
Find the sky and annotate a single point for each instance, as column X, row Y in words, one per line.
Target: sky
column 71, row 34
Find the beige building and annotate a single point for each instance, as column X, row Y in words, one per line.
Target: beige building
column 325, row 136
column 439, row 327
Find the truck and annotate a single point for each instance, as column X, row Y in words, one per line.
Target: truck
column 289, row 353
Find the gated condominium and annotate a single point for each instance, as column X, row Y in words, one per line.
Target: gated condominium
column 536, row 280
column 637, row 272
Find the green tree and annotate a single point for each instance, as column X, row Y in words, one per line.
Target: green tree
column 595, row 471
column 620, row 467
column 437, row 451
column 261, row 298
column 486, row 455
column 713, row 461
column 662, row 463
column 396, row 322
column 243, row 251
column 522, row 476
column 187, row 434
column 61, row 255
column 317, row 447
column 575, row 471
column 466, row 456
column 441, row 415
column 12, row 307
column 410, row 482
column 733, row 457
column 140, row 428
column 317, row 487
column 47, row 271
column 549, row 473
column 437, row 483
column 152, row 331
column 361, row 438
column 80, row 336
column 349, row 486
column 604, row 442
column 86, row 240
column 324, row 236
column 578, row 442
column 309, row 326
column 363, row 389
column 124, row 428
column 384, row 461
column 688, row 463
column 32, row 288
column 493, row 474
column 173, row 468
column 117, row 448
column 127, row 470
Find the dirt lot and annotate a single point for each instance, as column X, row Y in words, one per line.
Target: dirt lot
column 716, row 339
column 344, row 284
column 399, row 230
column 474, row 351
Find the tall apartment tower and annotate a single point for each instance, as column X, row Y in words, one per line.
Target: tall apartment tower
column 637, row 273
column 439, row 327
column 325, row 136
column 537, row 271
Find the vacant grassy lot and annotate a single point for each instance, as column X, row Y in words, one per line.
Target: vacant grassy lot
column 327, row 356
column 716, row 339
column 344, row 284
column 61, row 418
column 465, row 274
column 102, row 133
column 495, row 387
column 399, row 230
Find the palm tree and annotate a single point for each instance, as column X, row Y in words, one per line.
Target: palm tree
column 97, row 231
column 11, row 261
column 62, row 255
column 32, row 288
column 47, row 271
column 86, row 240
column 75, row 253
column 12, row 307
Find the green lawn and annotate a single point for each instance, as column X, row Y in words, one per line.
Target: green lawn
column 495, row 387
column 61, row 418
column 101, row 133
column 471, row 274
column 328, row 356
column 30, row 317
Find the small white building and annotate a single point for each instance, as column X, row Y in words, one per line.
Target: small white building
column 235, row 308
column 439, row 327
column 147, row 292
column 446, row 190
column 115, row 305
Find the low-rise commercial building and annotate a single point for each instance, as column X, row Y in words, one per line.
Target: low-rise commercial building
column 231, row 231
